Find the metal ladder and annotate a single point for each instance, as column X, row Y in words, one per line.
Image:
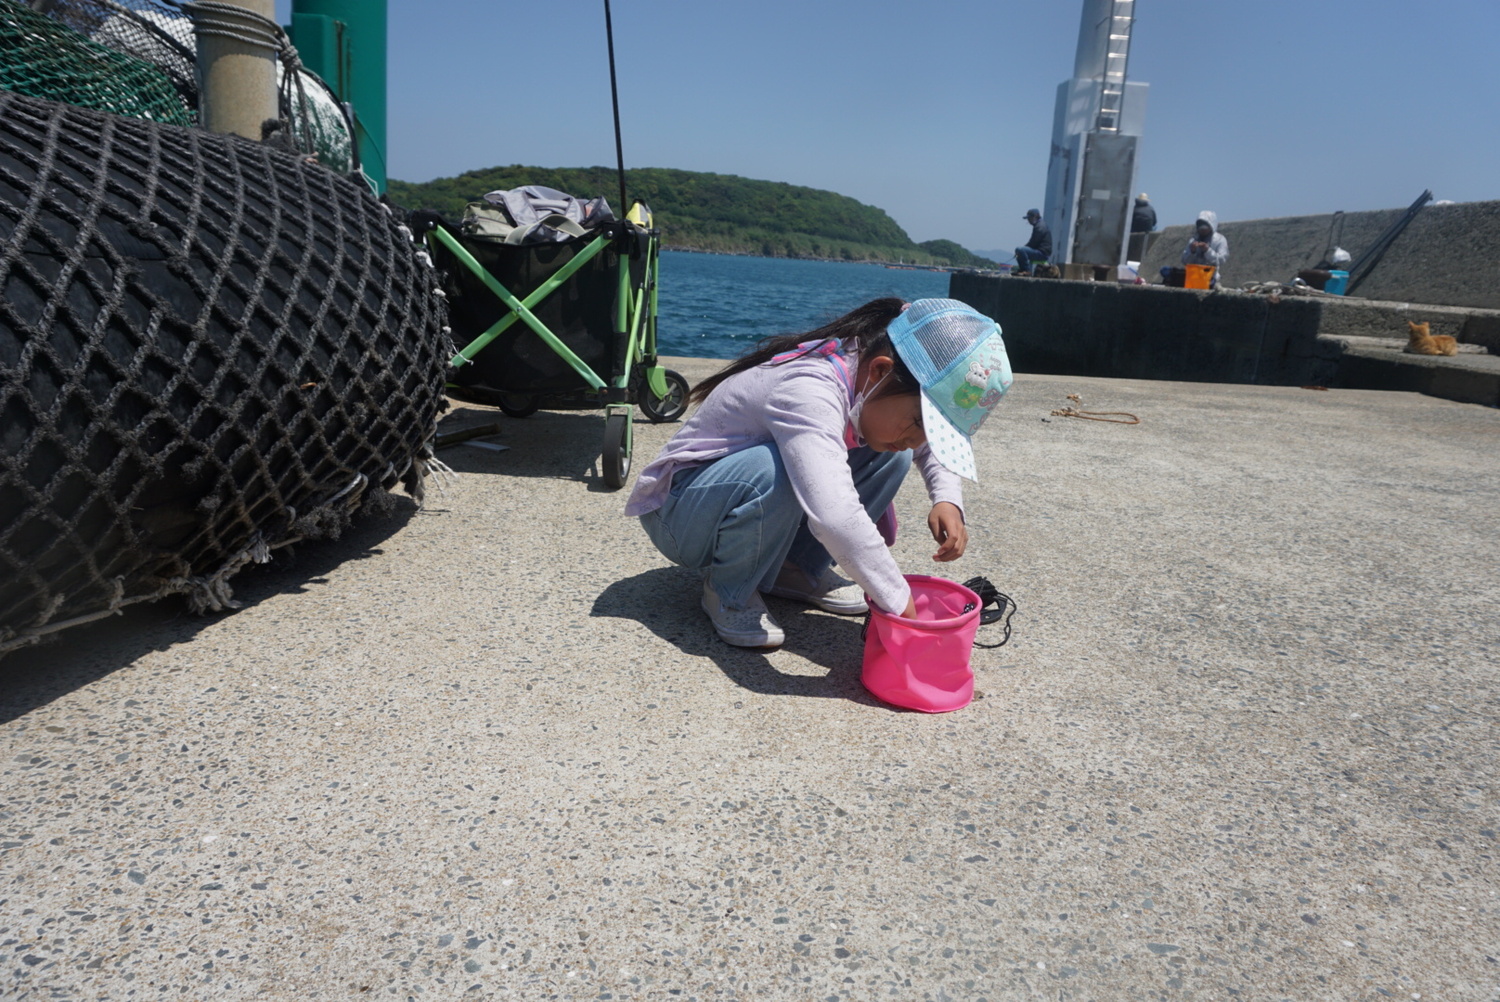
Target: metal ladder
column 1117, row 56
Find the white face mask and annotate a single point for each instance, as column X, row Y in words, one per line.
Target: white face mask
column 857, row 408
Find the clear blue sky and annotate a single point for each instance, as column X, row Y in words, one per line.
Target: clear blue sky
column 940, row 111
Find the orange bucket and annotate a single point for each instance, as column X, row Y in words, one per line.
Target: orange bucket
column 1199, row 276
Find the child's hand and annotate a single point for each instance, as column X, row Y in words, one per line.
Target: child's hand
column 947, row 525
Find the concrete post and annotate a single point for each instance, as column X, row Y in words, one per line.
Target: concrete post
column 237, row 64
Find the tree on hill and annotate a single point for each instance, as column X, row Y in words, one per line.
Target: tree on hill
column 719, row 213
column 955, row 255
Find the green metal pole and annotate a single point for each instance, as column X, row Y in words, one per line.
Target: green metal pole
column 344, row 42
column 632, row 345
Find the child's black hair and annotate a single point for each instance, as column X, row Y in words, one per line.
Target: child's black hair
column 865, row 325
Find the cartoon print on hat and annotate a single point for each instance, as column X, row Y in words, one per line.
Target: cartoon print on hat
column 977, row 389
column 973, row 387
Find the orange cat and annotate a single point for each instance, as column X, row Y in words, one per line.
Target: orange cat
column 1423, row 343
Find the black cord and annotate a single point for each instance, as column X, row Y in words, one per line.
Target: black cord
column 1005, row 607
column 988, row 595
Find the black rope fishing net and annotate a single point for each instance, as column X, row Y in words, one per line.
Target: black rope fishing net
column 208, row 347
column 139, row 58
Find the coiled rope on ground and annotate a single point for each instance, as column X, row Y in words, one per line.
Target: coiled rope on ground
column 1110, row 417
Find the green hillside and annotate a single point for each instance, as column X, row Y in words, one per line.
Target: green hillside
column 720, row 213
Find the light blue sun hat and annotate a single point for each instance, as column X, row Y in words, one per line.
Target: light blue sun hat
column 958, row 356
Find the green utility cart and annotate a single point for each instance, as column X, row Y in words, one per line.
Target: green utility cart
column 564, row 324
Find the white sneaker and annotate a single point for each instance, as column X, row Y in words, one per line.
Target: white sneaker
column 831, row 593
column 751, row 626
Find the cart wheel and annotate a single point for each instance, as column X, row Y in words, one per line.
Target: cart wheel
column 669, row 407
column 517, row 405
column 616, row 450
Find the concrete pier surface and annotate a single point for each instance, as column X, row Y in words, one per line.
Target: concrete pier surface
column 1243, row 743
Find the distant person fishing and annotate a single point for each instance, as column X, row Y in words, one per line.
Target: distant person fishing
column 1143, row 216
column 1038, row 248
column 791, row 462
column 1207, row 247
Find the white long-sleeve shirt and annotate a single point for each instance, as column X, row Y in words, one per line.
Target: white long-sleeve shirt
column 802, row 406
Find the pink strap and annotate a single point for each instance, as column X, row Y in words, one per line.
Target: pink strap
column 829, row 349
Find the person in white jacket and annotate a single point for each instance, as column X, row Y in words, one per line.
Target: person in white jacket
column 796, row 451
column 1208, row 245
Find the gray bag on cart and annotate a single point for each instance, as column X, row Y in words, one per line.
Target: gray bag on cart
column 533, row 214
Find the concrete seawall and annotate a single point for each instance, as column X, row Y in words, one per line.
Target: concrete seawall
column 1449, row 255
column 1104, row 329
column 1138, row 332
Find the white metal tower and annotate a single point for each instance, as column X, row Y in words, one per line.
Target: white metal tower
column 1095, row 132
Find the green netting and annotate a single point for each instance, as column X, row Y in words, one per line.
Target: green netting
column 41, row 58
column 317, row 121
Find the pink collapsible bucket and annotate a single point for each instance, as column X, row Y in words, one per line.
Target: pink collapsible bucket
column 923, row 663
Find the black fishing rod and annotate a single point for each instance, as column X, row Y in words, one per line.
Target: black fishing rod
column 1360, row 269
column 614, row 96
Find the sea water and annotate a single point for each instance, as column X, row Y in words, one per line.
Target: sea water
column 719, row 305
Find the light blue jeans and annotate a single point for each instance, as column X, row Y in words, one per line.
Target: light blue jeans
column 739, row 518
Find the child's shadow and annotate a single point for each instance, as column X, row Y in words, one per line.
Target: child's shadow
column 665, row 601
